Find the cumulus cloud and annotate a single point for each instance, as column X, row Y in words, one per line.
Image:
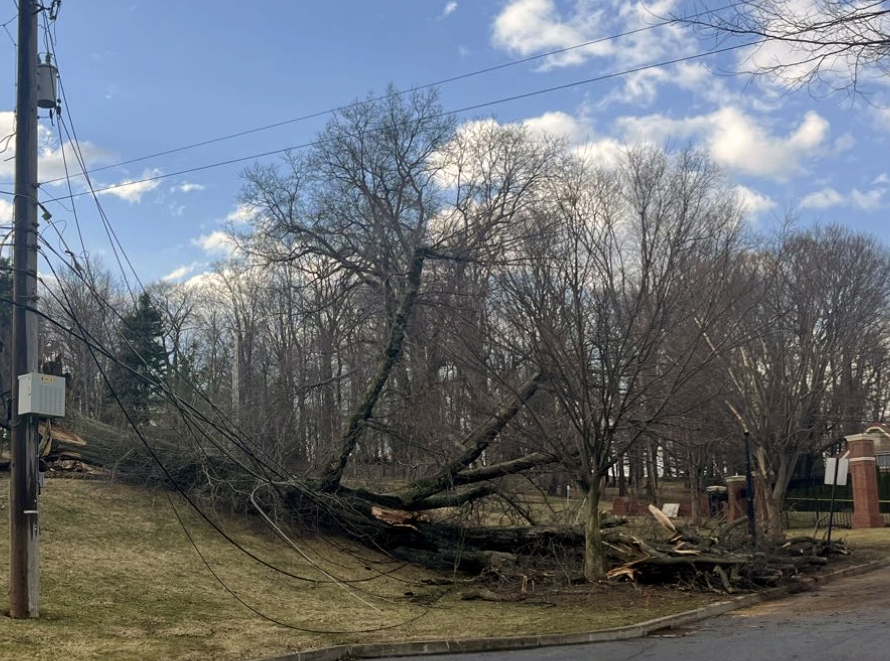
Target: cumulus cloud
column 606, row 152
column 557, row 124
column 822, row 199
column 216, row 243
column 755, row 203
column 132, row 189
column 581, row 32
column 737, row 140
column 241, row 214
column 828, row 197
column 448, row 9
column 178, row 274
column 461, row 161
column 54, row 162
column 527, row 27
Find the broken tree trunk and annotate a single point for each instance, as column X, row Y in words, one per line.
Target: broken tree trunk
column 453, row 474
column 333, row 473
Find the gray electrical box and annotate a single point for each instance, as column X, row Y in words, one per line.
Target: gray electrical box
column 42, row 394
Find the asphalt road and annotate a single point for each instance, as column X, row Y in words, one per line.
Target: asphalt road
column 848, row 619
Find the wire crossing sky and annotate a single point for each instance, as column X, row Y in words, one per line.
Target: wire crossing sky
column 166, row 113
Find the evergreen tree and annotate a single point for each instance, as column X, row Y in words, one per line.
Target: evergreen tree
column 141, row 360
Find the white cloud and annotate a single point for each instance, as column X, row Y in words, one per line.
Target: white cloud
column 829, row 197
column 581, row 30
column 206, row 280
column 755, row 203
column 882, row 178
column 53, row 164
column 178, row 274
column 216, row 243
column 526, row 27
column 241, row 215
column 868, row 201
column 556, row 124
column 132, row 189
column 605, row 152
column 844, row 143
column 188, row 187
column 740, row 143
column 736, row 140
column 6, row 211
column 450, row 8
column 822, row 199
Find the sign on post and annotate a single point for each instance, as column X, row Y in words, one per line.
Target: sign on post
column 836, row 471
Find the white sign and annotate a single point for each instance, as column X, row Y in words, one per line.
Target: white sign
column 671, row 509
column 842, row 466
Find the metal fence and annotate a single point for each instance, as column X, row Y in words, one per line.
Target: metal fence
column 809, row 501
column 810, row 512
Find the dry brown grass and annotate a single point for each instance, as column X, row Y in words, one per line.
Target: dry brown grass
column 872, row 539
column 120, row 580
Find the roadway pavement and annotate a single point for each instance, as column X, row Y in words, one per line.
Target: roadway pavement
column 845, row 620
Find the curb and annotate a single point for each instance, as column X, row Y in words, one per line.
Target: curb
column 428, row 647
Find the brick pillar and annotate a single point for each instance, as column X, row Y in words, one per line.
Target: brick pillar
column 736, row 504
column 863, row 470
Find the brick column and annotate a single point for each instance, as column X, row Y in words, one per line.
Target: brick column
column 863, row 470
column 736, row 504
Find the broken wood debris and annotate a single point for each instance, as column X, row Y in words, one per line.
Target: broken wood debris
column 713, row 561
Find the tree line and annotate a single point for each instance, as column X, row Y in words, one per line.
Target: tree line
column 472, row 302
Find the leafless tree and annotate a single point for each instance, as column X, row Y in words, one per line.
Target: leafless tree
column 818, row 314
column 83, row 301
column 825, row 44
column 616, row 298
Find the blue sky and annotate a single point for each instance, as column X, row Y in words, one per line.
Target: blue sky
column 144, row 77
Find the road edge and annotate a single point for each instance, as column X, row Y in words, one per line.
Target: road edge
column 498, row 644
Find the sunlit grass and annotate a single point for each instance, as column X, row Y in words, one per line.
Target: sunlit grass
column 120, row 580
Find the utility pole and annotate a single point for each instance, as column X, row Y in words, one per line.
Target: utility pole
column 24, row 539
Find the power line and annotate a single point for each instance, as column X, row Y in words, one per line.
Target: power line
column 438, row 83
column 187, row 412
column 458, row 111
column 5, row 26
column 94, row 346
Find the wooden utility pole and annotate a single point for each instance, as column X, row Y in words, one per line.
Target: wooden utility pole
column 24, row 539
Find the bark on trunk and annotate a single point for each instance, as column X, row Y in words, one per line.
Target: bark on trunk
column 476, row 443
column 594, row 558
column 330, row 478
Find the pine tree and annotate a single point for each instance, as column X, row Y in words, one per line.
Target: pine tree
column 141, row 360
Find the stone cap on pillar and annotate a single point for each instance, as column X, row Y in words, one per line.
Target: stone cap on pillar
column 861, row 445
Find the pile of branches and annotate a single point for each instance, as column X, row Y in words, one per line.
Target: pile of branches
column 718, row 559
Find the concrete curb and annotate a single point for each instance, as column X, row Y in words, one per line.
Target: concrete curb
column 425, row 647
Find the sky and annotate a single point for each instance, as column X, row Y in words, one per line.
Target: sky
column 144, row 77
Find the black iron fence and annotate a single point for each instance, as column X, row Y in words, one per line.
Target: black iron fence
column 809, row 501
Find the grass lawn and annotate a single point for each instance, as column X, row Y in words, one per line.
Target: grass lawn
column 866, row 539
column 120, row 580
